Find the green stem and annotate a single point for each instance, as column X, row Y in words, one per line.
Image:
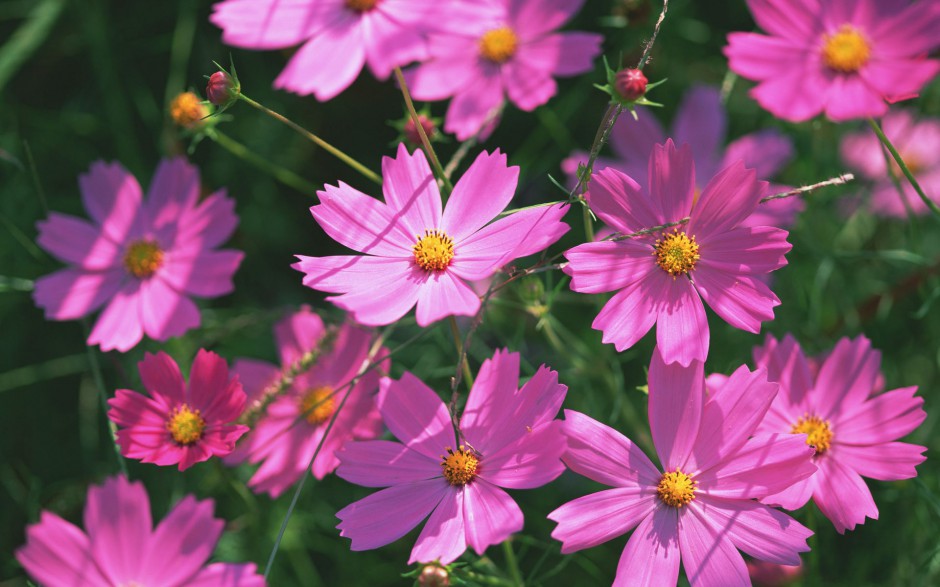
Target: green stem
column 103, row 396
column 368, row 173
column 283, row 175
column 512, row 564
column 907, row 172
column 461, row 355
column 435, row 162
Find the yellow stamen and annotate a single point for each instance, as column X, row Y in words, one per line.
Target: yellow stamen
column 143, row 258
column 817, row 431
column 846, row 51
column 676, row 253
column 676, row 489
column 317, row 405
column 434, row 251
column 187, row 110
column 460, row 467
column 498, row 45
column 361, row 5
column 186, row 425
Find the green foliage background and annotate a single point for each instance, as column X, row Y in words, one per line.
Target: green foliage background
column 86, row 80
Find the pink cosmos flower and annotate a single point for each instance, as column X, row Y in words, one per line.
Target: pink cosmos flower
column 918, row 142
column 336, row 37
column 179, row 423
column 663, row 277
column 499, row 48
column 701, row 507
column 141, row 259
column 702, row 122
column 853, row 429
column 841, row 57
column 509, row 438
column 765, row 574
column 287, row 435
column 120, row 546
column 415, row 253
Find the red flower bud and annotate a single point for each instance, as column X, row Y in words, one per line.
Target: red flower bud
column 631, row 84
column 411, row 130
column 434, row 576
column 221, row 88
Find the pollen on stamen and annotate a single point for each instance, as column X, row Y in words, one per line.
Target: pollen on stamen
column 143, row 258
column 460, row 466
column 317, row 405
column 361, row 5
column 434, row 251
column 676, row 253
column 186, row 425
column 818, row 432
column 498, row 45
column 846, row 50
column 676, row 489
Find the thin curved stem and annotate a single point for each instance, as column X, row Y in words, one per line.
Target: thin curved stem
column 425, row 142
column 904, row 169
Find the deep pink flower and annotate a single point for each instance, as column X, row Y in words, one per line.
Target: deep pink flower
column 120, row 546
column 179, row 423
column 918, row 142
column 841, row 57
column 509, row 438
column 702, row 122
column 663, row 277
column 141, row 259
column 336, row 37
column 852, row 426
column 500, row 48
column 701, row 507
column 415, row 253
column 287, row 435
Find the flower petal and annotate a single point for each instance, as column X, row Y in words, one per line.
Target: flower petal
column 751, row 250
column 113, row 199
column 631, row 312
column 759, row 531
column 743, row 301
column 787, row 365
column 362, row 223
column 443, row 538
column 299, row 333
column 181, row 543
column 162, row 379
column 204, row 274
column 651, row 557
column 270, row 24
column 596, row 518
column 471, row 108
column 609, row 265
column 727, row 199
column 479, row 195
column 702, row 122
column 381, row 463
column 533, row 18
column 766, row 152
column 119, row 326
column 672, row 180
column 602, row 454
column 57, row 553
column 708, row 555
column 411, row 192
column 682, row 329
column 227, row 575
column 883, row 418
column 846, row 377
column 416, row 415
column 531, row 461
column 766, row 464
column 164, row 312
column 312, row 71
column 118, row 523
column 675, row 409
column 77, row 241
column 561, row 54
column 889, row 461
column 489, row 515
column 491, row 399
column 72, row 293
column 842, row 496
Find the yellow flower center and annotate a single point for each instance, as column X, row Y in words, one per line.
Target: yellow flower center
column 498, row 45
column 186, row 425
column 187, row 110
column 460, row 467
column 914, row 165
column 846, row 51
column 361, row 5
column 676, row 253
column 434, row 251
column 317, row 405
column 143, row 258
column 676, row 489
column 817, row 431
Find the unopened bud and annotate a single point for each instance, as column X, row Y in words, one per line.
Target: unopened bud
column 221, row 89
column 187, row 110
column 434, row 576
column 630, row 84
column 411, row 129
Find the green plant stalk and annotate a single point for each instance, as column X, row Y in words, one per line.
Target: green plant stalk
column 513, row 564
column 365, row 171
column 907, row 172
column 103, row 396
column 435, row 162
column 283, row 175
column 461, row 355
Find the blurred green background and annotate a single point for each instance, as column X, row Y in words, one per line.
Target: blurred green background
column 91, row 79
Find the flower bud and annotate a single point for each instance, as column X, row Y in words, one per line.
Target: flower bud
column 188, row 111
column 630, row 83
column 434, row 576
column 221, row 89
column 411, row 129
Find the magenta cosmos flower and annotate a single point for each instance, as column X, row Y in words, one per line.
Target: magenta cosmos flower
column 179, row 423
column 663, row 277
column 701, row 121
column 852, row 427
column 509, row 438
column 120, row 546
column 841, row 57
column 499, row 48
column 336, row 37
column 287, row 435
column 918, row 142
column 701, row 507
column 141, row 259
column 415, row 253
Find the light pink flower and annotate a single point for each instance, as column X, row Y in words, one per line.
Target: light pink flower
column 179, row 423
column 415, row 253
column 500, row 48
column 853, row 427
column 509, row 438
column 841, row 57
column 287, row 435
column 701, row 121
column 765, row 574
column 141, row 259
column 663, row 277
column 701, row 507
column 120, row 546
column 918, row 142
column 336, row 37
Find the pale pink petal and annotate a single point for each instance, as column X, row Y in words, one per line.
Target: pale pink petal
column 491, row 399
column 850, row 97
column 381, row 463
column 346, row 273
column 608, row 265
column 490, row 515
column 531, row 461
column 203, row 273
column 708, row 556
column 77, row 241
column 847, row 376
column 532, row 18
column 676, row 397
column 756, row 529
column 528, row 87
column 255, row 376
column 400, row 293
column 470, row 109
column 763, row 58
column 271, row 24
column 416, row 415
column 889, row 461
column 682, row 330
column 389, row 43
column 793, row 497
column 162, row 378
column 57, row 553
column 672, row 180
column 173, row 193
column 117, row 520
column 701, row 122
column 72, row 293
column 443, row 538
column 741, row 300
column 479, row 195
column 411, row 192
column 362, row 223
column 446, row 74
column 765, row 151
column 631, row 312
column 164, row 312
column 651, row 557
column 113, row 198
column 907, row 30
column 602, row 454
column 119, row 326
column 367, row 523
column 298, row 334
column 442, row 295
column 786, row 364
column 750, row 250
column 181, row 543
column 842, row 496
column 561, row 54
column 227, row 575
column 766, row 464
column 786, row 18
column 209, row 225
column 596, row 518
column 894, row 80
column 727, row 199
column 327, row 64
column 883, row 418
